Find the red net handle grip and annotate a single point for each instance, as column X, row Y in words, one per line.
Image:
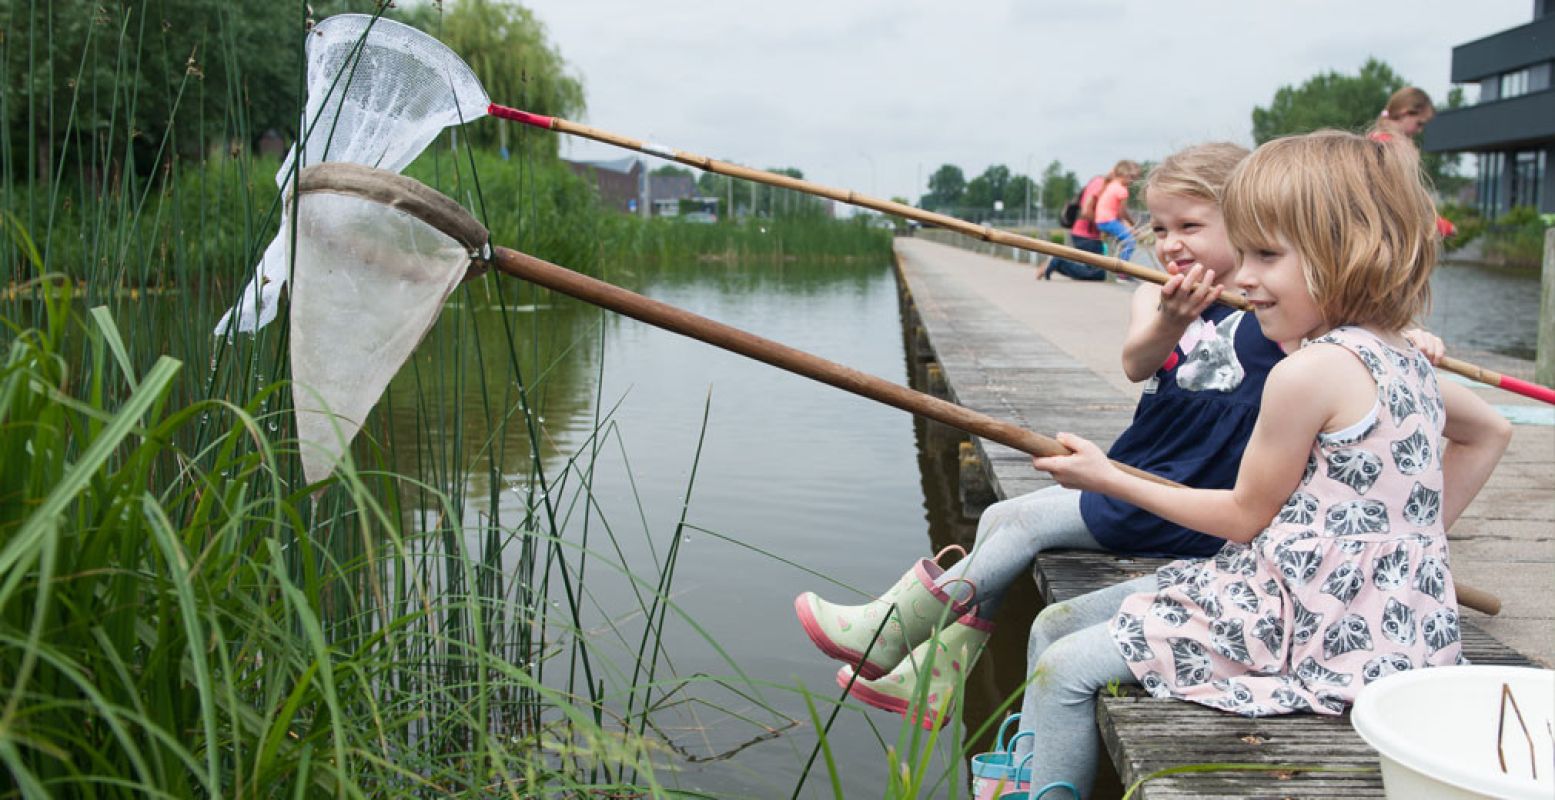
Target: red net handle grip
column 517, row 115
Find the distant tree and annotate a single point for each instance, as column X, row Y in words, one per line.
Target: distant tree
column 177, row 77
column 1020, row 190
column 506, row 46
column 946, row 188
column 983, row 190
column 128, row 82
column 1328, row 100
column 1352, row 103
column 1058, row 186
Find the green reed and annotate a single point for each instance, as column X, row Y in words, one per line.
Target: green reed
column 188, row 623
column 183, row 615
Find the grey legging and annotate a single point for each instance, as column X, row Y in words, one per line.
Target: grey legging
column 1010, row 534
column 1071, row 656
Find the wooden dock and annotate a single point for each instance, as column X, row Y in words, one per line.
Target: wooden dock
column 1034, row 354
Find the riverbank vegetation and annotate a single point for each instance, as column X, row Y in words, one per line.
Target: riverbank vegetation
column 183, row 618
column 183, row 615
column 1514, row 240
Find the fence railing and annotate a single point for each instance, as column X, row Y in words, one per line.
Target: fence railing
column 942, row 236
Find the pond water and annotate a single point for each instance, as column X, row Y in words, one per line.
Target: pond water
column 793, row 478
column 1485, row 308
column 794, row 481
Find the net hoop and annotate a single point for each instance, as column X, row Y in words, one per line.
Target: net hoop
column 404, row 194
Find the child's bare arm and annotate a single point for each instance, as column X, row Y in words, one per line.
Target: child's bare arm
column 1476, row 437
column 1298, row 401
column 1159, row 316
column 1428, row 343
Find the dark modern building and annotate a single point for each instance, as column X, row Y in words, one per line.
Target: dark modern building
column 1512, row 127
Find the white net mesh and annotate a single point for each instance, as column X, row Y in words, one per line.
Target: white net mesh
column 370, row 281
column 378, row 93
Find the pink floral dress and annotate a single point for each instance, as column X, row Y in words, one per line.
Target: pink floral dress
column 1349, row 582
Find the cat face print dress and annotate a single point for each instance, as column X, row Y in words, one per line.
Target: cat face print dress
column 1348, row 584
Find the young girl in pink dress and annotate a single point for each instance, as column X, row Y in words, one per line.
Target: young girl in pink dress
column 1335, row 568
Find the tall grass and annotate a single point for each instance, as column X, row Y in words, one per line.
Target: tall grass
column 195, row 226
column 183, row 616
column 184, row 624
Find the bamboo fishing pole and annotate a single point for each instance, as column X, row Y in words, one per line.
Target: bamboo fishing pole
column 411, row 197
column 976, row 231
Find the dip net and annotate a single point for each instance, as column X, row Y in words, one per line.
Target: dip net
column 378, row 92
column 377, row 255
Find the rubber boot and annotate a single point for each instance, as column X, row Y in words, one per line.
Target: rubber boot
column 943, row 660
column 915, row 608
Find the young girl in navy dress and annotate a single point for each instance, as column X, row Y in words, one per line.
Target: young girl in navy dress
column 1190, row 430
column 1335, row 570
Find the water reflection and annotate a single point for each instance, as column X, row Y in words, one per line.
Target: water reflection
column 787, row 471
column 1479, row 307
column 791, row 476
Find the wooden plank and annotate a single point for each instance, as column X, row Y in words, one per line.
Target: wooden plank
column 995, row 365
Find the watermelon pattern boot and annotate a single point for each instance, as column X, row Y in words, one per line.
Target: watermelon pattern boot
column 904, row 616
column 943, row 661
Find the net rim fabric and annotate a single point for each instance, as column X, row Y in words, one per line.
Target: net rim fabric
column 401, row 193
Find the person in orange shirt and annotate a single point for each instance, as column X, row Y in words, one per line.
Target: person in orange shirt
column 1112, row 217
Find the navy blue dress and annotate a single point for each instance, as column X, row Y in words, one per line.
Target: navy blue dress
column 1192, row 424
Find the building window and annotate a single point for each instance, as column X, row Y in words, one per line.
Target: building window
column 1514, row 83
column 1491, row 165
column 1526, row 175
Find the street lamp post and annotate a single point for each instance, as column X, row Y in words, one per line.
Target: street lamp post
column 1024, row 221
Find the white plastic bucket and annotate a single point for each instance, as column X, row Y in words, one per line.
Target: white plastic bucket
column 1436, row 732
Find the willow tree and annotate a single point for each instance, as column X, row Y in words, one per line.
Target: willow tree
column 115, row 85
column 506, row 46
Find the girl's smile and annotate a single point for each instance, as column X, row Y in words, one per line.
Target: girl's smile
column 1274, row 283
column 1190, row 231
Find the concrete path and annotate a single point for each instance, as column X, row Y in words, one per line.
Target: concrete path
column 1505, row 541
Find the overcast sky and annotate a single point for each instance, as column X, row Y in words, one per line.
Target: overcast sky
column 874, row 95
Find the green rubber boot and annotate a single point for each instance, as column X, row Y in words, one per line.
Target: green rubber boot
column 944, row 661
column 847, row 632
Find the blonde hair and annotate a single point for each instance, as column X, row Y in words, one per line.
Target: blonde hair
column 1199, row 172
column 1124, row 167
column 1406, row 101
column 1355, row 210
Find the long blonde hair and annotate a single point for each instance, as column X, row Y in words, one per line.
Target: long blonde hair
column 1355, row 210
column 1199, row 172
